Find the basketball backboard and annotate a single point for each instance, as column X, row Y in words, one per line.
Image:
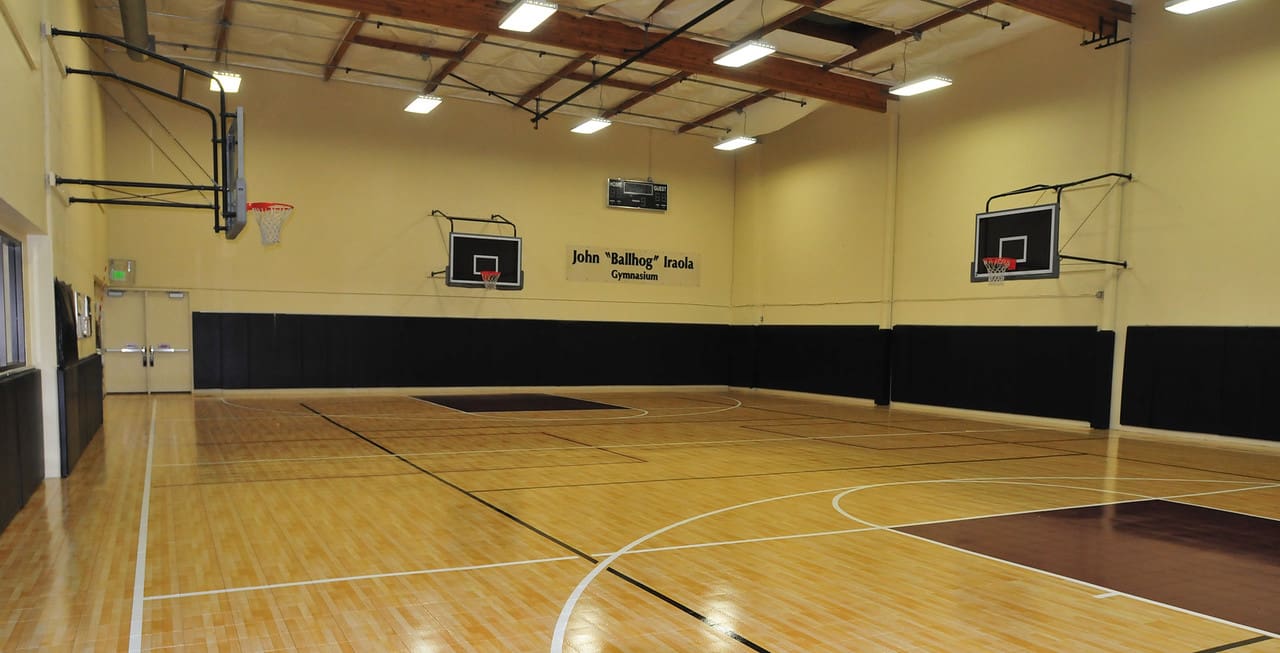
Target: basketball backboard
column 235, row 214
column 471, row 254
column 1028, row 235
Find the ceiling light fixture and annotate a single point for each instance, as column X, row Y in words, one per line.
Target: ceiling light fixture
column 424, row 104
column 922, row 85
column 527, row 14
column 1192, row 6
column 744, row 53
column 591, row 125
column 735, row 143
column 230, row 82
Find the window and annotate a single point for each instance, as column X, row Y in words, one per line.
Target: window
column 13, row 340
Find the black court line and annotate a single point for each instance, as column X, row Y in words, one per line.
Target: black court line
column 223, row 443
column 509, row 469
column 1239, row 644
column 561, row 543
column 597, row 448
column 552, row 422
column 1153, row 462
column 799, row 471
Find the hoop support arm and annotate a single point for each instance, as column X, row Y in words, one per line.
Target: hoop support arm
column 1057, row 188
column 490, row 220
column 1122, row 264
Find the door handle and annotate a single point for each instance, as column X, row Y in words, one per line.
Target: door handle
column 127, row 349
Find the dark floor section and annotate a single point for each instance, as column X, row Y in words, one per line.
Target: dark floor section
column 1222, row 564
column 514, row 402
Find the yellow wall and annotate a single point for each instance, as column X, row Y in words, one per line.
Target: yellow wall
column 364, row 176
column 810, row 219
column 1203, row 141
column 68, row 141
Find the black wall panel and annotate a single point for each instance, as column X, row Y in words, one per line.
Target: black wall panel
column 21, row 442
column 1203, row 379
column 846, row 361
column 320, row 351
column 1041, row 371
column 80, row 410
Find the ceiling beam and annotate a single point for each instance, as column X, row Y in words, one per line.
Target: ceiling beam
column 451, row 64
column 646, row 94
column 1100, row 17
column 224, row 25
column 661, row 5
column 885, row 39
column 341, row 50
column 556, row 77
column 791, row 17
column 616, row 40
column 733, row 108
column 401, row 46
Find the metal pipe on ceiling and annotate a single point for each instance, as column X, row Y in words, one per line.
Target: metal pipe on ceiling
column 133, row 20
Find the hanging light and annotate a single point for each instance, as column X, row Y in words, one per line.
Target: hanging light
column 424, row 104
column 735, row 143
column 1192, row 6
column 230, row 82
column 591, row 125
column 527, row 14
column 744, row 53
column 922, row 85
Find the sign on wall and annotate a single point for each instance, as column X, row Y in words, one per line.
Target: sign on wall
column 623, row 265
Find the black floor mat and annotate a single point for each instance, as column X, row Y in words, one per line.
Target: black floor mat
column 513, row 403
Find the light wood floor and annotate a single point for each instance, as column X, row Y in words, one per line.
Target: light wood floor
column 693, row 522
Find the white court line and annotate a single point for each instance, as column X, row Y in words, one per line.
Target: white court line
column 140, row 560
column 643, row 413
column 562, row 621
column 604, row 447
column 343, row 579
column 1107, row 595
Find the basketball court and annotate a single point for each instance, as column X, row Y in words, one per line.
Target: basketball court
column 639, row 521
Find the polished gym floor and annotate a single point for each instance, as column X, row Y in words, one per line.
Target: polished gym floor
column 643, row 521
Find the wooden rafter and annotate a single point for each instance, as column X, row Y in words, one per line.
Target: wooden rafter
column 791, row 17
column 646, row 94
column 341, row 50
column 612, row 81
column 449, row 65
column 887, row 38
column 661, row 5
column 1101, row 17
column 620, row 41
column 733, row 108
column 224, row 26
column 555, row 77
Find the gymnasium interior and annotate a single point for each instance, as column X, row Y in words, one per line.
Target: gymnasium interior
column 332, row 325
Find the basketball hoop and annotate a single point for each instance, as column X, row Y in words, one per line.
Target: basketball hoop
column 490, row 278
column 270, row 217
column 997, row 267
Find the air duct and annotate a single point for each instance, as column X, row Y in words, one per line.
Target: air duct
column 133, row 18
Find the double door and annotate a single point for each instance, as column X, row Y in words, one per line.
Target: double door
column 146, row 337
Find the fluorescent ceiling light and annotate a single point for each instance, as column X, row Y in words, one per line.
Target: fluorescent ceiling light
column 1192, row 6
column 230, row 82
column 735, row 143
column 744, row 53
column 591, row 126
column 527, row 14
column 424, row 104
column 922, row 85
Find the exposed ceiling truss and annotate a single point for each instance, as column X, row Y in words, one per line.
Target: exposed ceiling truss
column 676, row 83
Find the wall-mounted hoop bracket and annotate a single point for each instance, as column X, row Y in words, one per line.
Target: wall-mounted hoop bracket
column 1057, row 190
column 494, row 218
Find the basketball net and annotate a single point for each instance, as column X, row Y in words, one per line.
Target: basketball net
column 997, row 267
column 490, row 279
column 271, row 217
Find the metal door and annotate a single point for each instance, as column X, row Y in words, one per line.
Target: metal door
column 147, row 340
column 124, row 342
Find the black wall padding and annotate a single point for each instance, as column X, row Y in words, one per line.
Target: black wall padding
column 80, row 393
column 847, row 361
column 21, row 442
column 1041, row 371
column 1203, row 379
column 244, row 350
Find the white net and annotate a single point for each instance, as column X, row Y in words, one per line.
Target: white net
column 996, row 269
column 490, row 279
column 271, row 217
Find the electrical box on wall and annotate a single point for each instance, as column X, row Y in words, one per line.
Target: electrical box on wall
column 635, row 194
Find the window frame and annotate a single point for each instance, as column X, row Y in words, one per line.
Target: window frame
column 13, row 337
